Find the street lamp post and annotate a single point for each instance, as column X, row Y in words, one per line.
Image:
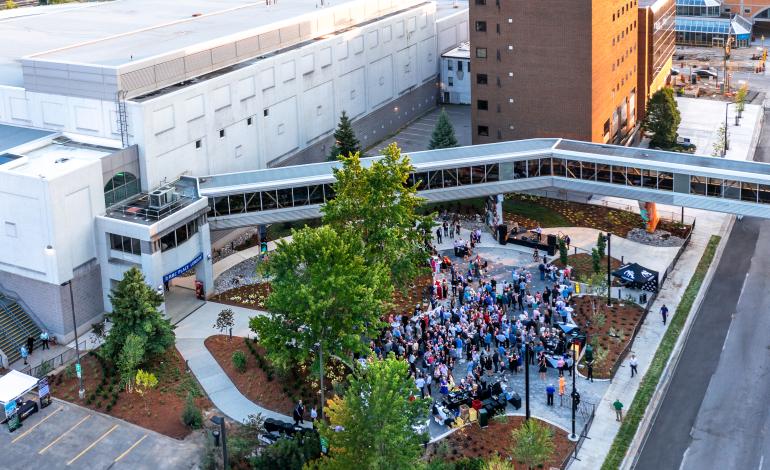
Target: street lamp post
column 575, row 348
column 526, row 378
column 609, row 269
column 724, row 144
column 81, row 390
column 219, row 420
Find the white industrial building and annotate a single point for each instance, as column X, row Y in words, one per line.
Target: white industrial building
column 102, row 104
column 455, row 69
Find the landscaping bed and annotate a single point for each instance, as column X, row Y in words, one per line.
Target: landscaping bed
column 406, row 301
column 474, row 442
column 607, row 329
column 160, row 409
column 261, row 383
column 249, row 296
column 582, row 264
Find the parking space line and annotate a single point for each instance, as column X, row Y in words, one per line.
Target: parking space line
column 36, row 425
column 93, row 444
column 130, row 448
column 63, row 434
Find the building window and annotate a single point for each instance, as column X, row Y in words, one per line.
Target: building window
column 481, row 52
column 248, row 121
column 459, row 65
column 482, row 105
column 481, row 26
column 482, row 130
column 450, row 81
column 121, row 186
column 498, row 28
column 481, row 2
column 221, row 133
column 481, row 79
column 266, row 112
column 198, row 144
column 125, row 244
column 450, row 65
column 183, row 233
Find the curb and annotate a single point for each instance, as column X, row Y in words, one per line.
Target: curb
column 642, row 432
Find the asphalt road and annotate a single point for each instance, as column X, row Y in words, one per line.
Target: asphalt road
column 715, row 414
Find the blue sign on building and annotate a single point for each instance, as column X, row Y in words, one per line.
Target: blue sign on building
column 183, row 269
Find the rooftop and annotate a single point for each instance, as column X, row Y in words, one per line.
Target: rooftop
column 463, row 51
column 15, row 136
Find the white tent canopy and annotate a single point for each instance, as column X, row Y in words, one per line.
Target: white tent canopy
column 15, row 384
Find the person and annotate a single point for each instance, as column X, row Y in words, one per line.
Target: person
column 536, row 255
column 567, row 241
column 24, row 353
column 633, row 363
column 549, row 391
column 541, row 268
column 543, row 366
column 562, row 388
column 313, row 414
column 590, row 371
column 618, row 410
column 30, row 344
column 560, row 365
column 445, row 226
column 45, row 338
column 438, row 235
column 539, row 232
column 299, row 413
column 664, row 313
column 420, row 383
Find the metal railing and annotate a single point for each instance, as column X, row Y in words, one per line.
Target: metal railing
column 49, row 365
column 573, row 455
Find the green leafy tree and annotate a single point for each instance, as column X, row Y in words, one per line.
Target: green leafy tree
column 130, row 357
column 498, row 463
column 225, row 320
column 601, row 244
column 244, row 440
column 443, row 133
column 322, row 293
column 289, row 454
column 371, row 426
column 563, row 252
column 191, row 415
column 345, row 141
column 722, row 142
column 533, row 444
column 663, row 118
column 135, row 311
column 239, row 361
column 379, row 205
column 145, row 381
column 740, row 99
column 596, row 260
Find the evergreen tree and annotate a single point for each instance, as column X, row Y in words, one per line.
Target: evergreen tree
column 443, row 134
column 372, row 426
column 345, row 141
column 533, row 444
column 663, row 118
column 135, row 312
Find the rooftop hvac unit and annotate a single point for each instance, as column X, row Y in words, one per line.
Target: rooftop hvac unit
column 161, row 198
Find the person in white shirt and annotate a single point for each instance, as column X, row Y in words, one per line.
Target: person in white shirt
column 420, row 383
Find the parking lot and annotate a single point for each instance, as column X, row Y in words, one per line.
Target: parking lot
column 64, row 435
column 416, row 136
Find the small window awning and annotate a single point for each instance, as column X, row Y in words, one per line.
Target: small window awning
column 15, row 384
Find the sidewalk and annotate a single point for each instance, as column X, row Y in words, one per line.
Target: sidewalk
column 190, row 335
column 623, row 387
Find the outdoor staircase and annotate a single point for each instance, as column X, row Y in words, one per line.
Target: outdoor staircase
column 15, row 327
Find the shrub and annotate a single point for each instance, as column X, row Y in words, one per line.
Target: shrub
column 191, row 416
column 109, row 407
column 534, row 443
column 99, row 404
column 239, row 361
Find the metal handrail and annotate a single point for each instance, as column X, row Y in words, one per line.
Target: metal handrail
column 17, row 298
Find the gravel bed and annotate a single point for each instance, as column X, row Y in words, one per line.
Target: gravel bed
column 657, row 238
column 243, row 273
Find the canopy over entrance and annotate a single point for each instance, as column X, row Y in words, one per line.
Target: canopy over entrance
column 15, row 384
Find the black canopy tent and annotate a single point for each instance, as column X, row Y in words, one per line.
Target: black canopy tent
column 638, row 276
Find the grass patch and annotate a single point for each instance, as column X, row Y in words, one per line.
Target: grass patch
column 532, row 210
column 650, row 381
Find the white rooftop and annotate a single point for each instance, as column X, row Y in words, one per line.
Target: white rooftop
column 463, row 51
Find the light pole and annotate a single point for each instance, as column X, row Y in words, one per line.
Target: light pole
column 609, row 268
column 321, row 370
column 575, row 396
column 526, row 378
column 724, row 144
column 79, row 370
column 219, row 420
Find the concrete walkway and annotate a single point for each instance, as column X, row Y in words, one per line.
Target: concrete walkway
column 190, row 335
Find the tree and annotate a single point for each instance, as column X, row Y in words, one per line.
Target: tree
column 596, row 260
column 498, row 463
column 601, row 244
column 323, row 293
column 239, row 361
column 244, row 440
column 722, row 141
column 533, row 443
column 345, row 141
column 443, row 134
column 145, row 381
column 10, row 4
column 563, row 252
column 130, row 358
column 135, row 311
column 663, row 118
column 289, row 454
column 740, row 98
column 379, row 205
column 225, row 321
column 191, row 416
column 372, row 425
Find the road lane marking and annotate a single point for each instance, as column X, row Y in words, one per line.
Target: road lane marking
column 64, row 434
column 36, row 425
column 130, row 448
column 92, row 444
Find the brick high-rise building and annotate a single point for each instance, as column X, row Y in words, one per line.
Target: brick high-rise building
column 548, row 68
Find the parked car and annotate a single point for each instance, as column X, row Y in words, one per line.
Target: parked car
column 685, row 143
column 674, row 71
column 705, row 73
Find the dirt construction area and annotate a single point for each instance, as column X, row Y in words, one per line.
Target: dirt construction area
column 64, row 435
column 688, row 59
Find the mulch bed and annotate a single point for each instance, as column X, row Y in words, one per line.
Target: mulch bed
column 251, row 296
column 164, row 404
column 617, row 318
column 582, row 264
column 405, row 302
column 474, row 442
column 263, row 384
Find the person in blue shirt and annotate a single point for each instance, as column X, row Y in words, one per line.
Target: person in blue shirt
column 549, row 391
column 488, row 339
